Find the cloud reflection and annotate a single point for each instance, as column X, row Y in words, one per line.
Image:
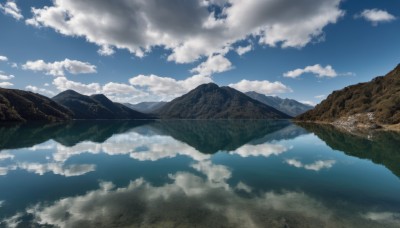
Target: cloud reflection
column 190, row 199
column 315, row 166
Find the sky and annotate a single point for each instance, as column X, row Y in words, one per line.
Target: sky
column 156, row 50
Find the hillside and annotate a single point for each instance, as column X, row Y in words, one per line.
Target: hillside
column 146, row 107
column 96, row 106
column 363, row 105
column 19, row 105
column 209, row 101
column 288, row 106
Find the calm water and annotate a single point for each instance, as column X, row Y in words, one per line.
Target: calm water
column 197, row 174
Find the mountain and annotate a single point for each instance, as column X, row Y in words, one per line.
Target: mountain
column 96, row 106
column 146, row 107
column 19, row 105
column 365, row 105
column 209, row 101
column 288, row 106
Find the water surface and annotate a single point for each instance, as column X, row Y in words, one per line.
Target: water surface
column 197, row 174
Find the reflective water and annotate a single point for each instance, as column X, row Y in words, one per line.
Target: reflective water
column 197, row 174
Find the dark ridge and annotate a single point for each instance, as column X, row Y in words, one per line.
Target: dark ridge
column 209, row 101
column 19, row 105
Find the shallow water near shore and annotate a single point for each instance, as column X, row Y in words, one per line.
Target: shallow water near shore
column 225, row 173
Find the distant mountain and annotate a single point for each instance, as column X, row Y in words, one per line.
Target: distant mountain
column 18, row 105
column 209, row 101
column 96, row 106
column 288, row 106
column 146, row 107
column 363, row 105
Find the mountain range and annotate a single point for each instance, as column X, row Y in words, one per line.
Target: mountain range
column 96, row 106
column 288, row 106
column 209, row 101
column 364, row 105
column 146, row 107
column 368, row 105
column 19, row 105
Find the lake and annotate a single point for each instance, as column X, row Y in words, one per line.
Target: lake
column 185, row 173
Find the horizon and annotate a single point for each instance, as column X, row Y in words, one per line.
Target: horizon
column 302, row 52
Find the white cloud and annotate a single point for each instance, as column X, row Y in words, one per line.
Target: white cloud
column 5, row 77
column 166, row 88
column 40, row 90
column 376, row 16
column 190, row 31
column 213, row 64
column 3, row 58
column 264, row 87
column 315, row 166
column 308, row 103
column 141, row 88
column 62, row 83
column 243, row 50
column 6, row 84
column 322, row 96
column 11, row 8
column 58, row 68
column 317, row 69
column 106, row 50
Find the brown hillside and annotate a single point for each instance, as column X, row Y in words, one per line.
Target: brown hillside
column 381, row 96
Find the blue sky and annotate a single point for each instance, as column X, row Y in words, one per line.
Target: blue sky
column 157, row 50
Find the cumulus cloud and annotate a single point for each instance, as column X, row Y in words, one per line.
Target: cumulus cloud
column 58, row 68
column 167, row 88
column 316, row 69
column 241, row 50
column 322, row 96
column 62, row 83
column 6, row 84
column 3, row 58
column 263, row 87
column 376, row 16
column 140, row 88
column 11, row 8
column 315, row 166
column 105, row 50
column 192, row 30
column 40, row 90
column 213, row 64
column 5, row 77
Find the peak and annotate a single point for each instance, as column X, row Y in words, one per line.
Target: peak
column 98, row 96
column 68, row 92
column 208, row 86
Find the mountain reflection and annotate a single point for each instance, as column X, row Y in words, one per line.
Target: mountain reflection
column 205, row 136
column 382, row 147
column 211, row 136
column 68, row 134
column 169, row 174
